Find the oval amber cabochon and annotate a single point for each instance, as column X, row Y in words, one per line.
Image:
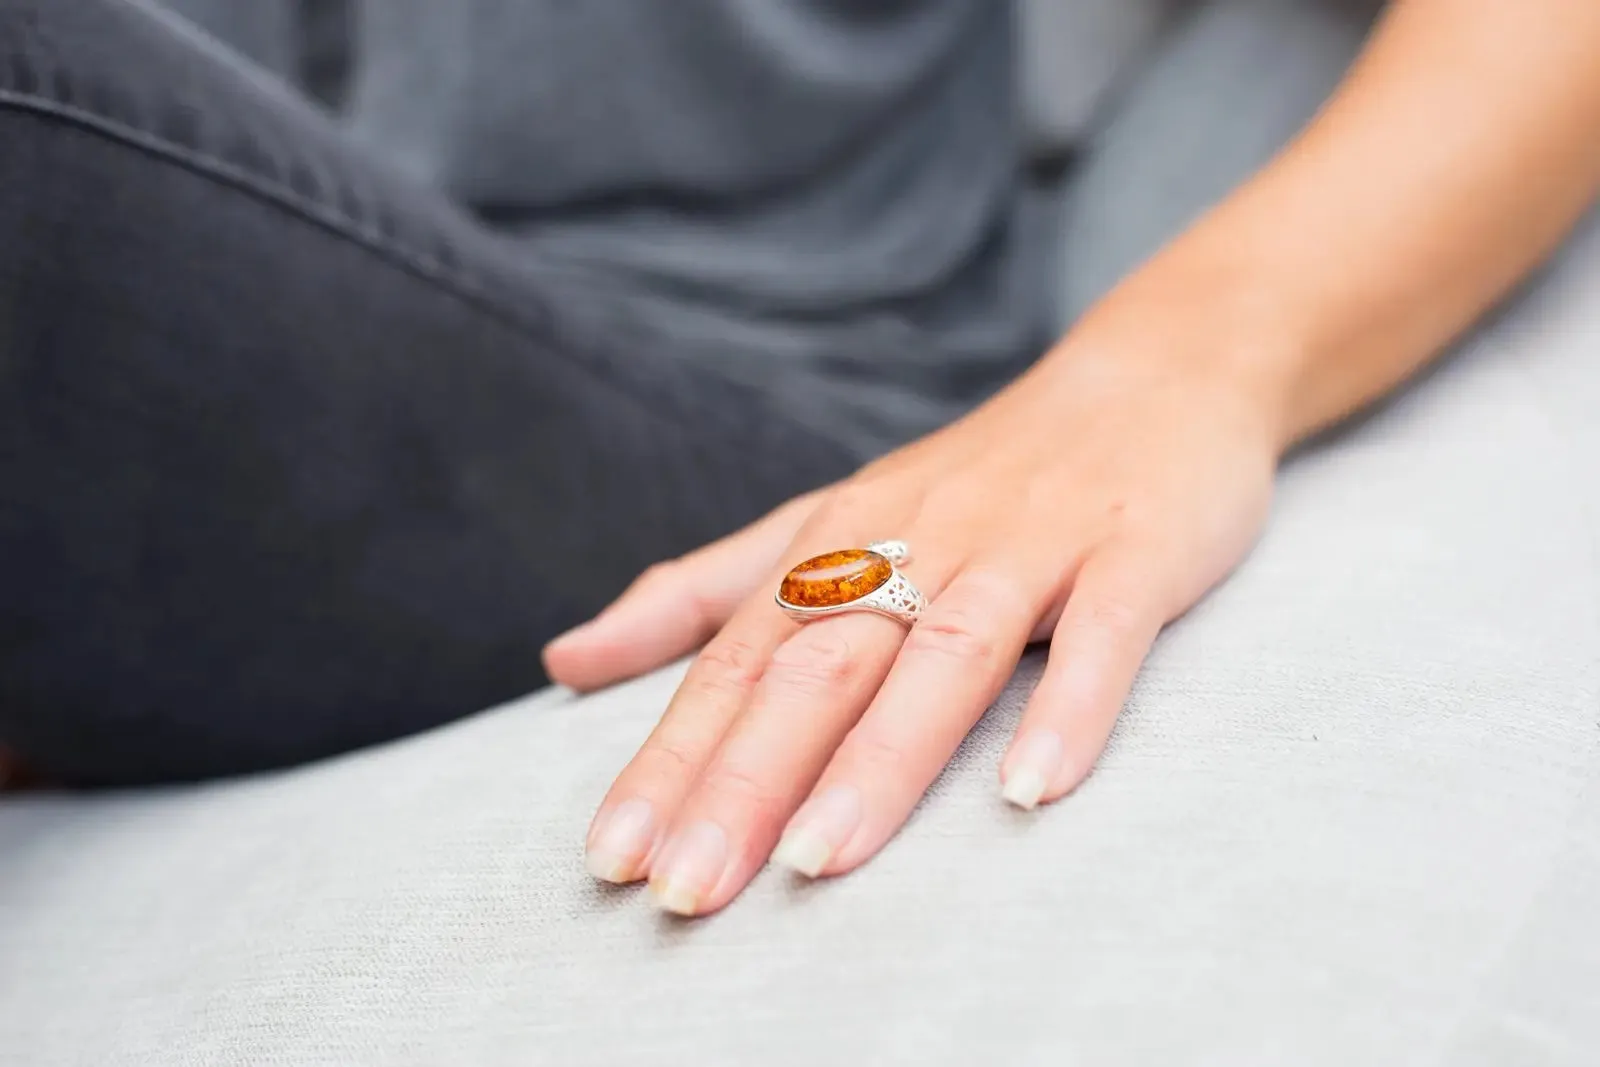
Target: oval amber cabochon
column 835, row 578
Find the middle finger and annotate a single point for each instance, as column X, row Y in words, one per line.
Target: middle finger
column 953, row 665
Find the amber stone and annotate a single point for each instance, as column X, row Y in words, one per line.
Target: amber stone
column 835, row 578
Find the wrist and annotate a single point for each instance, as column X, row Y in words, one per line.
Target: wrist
column 1211, row 324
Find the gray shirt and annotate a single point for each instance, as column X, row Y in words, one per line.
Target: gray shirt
column 812, row 194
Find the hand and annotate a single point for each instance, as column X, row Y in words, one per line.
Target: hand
column 1091, row 503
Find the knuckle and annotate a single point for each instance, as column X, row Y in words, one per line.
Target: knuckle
column 1042, row 495
column 844, row 505
column 817, row 659
column 708, row 608
column 952, row 634
column 1116, row 614
column 987, row 592
column 665, row 760
column 727, row 666
column 659, row 575
column 672, row 578
column 1121, row 514
column 736, row 785
column 874, row 754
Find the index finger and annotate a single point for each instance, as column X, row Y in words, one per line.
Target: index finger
column 650, row 789
column 674, row 607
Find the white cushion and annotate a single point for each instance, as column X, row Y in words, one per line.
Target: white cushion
column 1352, row 815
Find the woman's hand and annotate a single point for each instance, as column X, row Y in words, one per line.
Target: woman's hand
column 1108, row 489
column 1095, row 500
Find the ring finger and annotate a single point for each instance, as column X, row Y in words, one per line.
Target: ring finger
column 815, row 688
column 626, row 831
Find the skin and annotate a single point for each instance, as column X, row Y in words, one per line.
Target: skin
column 1112, row 486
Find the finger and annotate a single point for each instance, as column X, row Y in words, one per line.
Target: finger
column 1116, row 609
column 816, row 687
column 627, row 829
column 674, row 607
column 953, row 664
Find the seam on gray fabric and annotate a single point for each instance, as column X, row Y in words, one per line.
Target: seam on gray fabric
column 423, row 267
column 203, row 40
column 1472, row 1004
column 429, row 267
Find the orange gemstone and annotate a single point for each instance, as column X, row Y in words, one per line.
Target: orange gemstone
column 835, row 578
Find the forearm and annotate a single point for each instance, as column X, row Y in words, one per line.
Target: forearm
column 1461, row 148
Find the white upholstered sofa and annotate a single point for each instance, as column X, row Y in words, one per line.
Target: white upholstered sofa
column 1352, row 814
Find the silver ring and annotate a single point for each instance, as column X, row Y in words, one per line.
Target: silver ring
column 852, row 579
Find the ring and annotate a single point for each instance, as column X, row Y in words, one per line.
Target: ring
column 853, row 579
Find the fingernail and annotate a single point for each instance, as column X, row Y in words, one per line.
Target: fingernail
column 690, row 868
column 1034, row 763
column 819, row 830
column 622, row 842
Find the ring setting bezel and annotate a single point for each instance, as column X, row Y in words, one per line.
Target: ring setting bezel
column 895, row 597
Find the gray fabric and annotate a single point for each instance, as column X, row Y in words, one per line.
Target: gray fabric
column 1217, row 101
column 267, row 32
column 794, row 189
column 1065, row 86
column 1351, row 816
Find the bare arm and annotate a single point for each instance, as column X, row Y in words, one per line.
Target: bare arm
column 1121, row 478
column 1461, row 148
